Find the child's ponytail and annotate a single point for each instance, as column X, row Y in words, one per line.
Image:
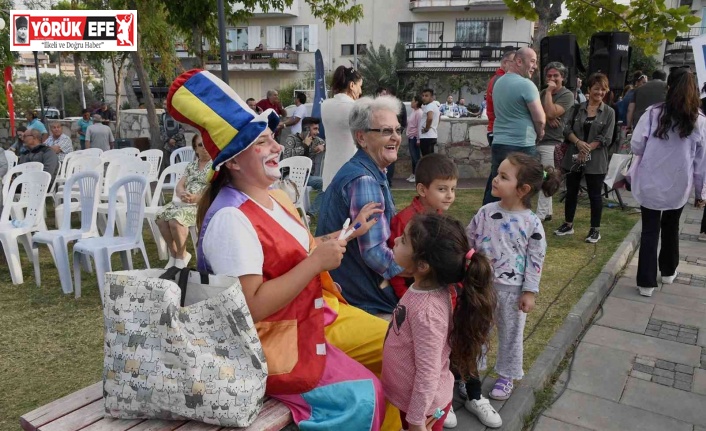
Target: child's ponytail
column 473, row 317
column 551, row 181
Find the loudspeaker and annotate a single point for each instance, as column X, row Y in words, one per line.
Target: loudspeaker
column 564, row 49
column 610, row 55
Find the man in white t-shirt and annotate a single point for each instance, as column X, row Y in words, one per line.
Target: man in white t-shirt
column 294, row 122
column 430, row 122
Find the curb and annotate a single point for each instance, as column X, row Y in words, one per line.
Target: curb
column 522, row 402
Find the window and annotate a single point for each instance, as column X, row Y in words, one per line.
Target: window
column 348, row 49
column 237, row 39
column 296, row 38
column 476, row 31
column 421, row 32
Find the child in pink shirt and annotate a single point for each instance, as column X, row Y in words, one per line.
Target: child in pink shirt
column 425, row 335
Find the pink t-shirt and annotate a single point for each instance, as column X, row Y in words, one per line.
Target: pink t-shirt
column 415, row 359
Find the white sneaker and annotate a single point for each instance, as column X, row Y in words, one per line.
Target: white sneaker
column 670, row 279
column 182, row 263
column 485, row 413
column 451, row 421
column 411, row 179
column 170, row 262
column 646, row 291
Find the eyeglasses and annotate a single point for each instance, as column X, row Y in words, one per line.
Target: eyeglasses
column 387, row 131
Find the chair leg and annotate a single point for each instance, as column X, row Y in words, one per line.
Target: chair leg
column 61, row 260
column 102, row 263
column 194, row 237
column 12, row 254
column 159, row 240
column 77, row 272
column 144, row 256
column 35, row 262
column 126, row 259
column 26, row 241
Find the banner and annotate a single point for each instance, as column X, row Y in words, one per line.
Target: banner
column 698, row 44
column 319, row 90
column 73, row 30
column 10, row 100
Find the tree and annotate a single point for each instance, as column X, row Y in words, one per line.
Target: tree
column 196, row 19
column 380, row 67
column 649, row 21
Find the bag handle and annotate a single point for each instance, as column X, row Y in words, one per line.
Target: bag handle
column 181, row 277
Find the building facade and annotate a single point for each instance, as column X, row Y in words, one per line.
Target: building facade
column 679, row 53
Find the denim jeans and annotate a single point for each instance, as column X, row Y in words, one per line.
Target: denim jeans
column 316, row 183
column 498, row 153
column 414, row 153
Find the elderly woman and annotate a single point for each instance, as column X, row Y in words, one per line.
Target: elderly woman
column 369, row 263
column 589, row 132
column 177, row 216
column 311, row 338
column 347, row 86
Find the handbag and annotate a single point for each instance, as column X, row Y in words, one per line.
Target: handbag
column 202, row 362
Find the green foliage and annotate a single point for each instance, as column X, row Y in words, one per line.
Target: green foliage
column 7, row 57
column 641, row 61
column 379, row 69
column 650, row 22
column 26, row 97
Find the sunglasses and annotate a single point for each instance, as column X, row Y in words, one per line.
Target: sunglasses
column 388, row 131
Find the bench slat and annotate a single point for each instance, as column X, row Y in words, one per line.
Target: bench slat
column 112, row 424
column 77, row 419
column 61, row 407
column 157, row 425
column 273, row 417
column 198, row 426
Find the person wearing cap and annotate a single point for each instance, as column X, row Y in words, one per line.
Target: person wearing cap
column 34, row 123
column 39, row 152
column 310, row 336
column 99, row 134
column 21, row 27
column 105, row 112
column 83, row 124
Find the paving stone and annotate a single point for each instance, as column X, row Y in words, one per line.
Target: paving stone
column 699, row 382
column 666, row 325
column 683, row 377
column 663, row 380
column 673, row 332
column 663, row 373
column 626, row 314
column 652, row 333
column 668, row 337
column 653, row 327
column 659, row 298
column 684, row 290
column 643, row 368
column 650, row 362
column 684, row 369
column 685, row 330
column 684, row 386
column 601, row 371
column 685, row 406
column 600, row 414
column 640, row 375
column 655, row 322
column 644, row 345
column 687, row 340
column 548, row 424
column 665, row 365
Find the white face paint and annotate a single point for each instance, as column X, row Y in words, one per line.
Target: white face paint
column 271, row 167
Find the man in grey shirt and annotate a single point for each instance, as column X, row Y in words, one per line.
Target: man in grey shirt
column 647, row 95
column 99, row 135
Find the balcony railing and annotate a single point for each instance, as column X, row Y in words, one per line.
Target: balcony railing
column 454, row 5
column 679, row 51
column 459, row 52
column 265, row 60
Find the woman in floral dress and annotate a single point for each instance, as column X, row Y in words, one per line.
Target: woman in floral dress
column 177, row 216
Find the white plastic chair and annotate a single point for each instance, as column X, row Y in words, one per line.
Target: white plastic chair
column 11, row 159
column 131, row 151
column 155, row 159
column 35, row 185
column 88, row 183
column 17, row 203
column 81, row 164
column 125, row 168
column 175, row 171
column 112, row 171
column 92, row 152
column 183, row 154
column 299, row 170
column 110, row 155
column 132, row 187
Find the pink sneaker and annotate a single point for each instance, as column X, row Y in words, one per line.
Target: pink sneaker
column 502, row 389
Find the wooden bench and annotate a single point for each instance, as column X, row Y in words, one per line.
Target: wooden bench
column 84, row 410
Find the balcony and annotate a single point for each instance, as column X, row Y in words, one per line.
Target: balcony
column 257, row 60
column 286, row 12
column 458, row 54
column 455, row 5
column 679, row 51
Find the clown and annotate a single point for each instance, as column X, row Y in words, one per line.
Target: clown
column 322, row 354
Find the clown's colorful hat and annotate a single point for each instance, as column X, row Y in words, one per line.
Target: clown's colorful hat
column 226, row 123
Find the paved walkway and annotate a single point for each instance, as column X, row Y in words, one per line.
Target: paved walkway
column 642, row 365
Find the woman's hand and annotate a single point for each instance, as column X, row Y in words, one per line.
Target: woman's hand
column 328, row 255
column 583, row 147
column 365, row 213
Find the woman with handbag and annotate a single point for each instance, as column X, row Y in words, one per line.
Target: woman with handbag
column 669, row 139
column 589, row 134
column 311, row 338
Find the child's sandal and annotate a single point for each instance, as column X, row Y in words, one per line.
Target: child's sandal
column 502, row 389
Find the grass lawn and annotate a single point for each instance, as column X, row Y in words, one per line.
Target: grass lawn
column 52, row 344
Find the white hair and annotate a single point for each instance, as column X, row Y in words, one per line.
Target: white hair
column 361, row 117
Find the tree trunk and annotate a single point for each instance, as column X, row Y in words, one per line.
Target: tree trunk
column 117, row 78
column 541, row 30
column 79, row 78
column 129, row 91
column 197, row 46
column 548, row 11
column 155, row 141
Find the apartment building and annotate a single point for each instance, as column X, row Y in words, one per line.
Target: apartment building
column 441, row 36
column 679, row 53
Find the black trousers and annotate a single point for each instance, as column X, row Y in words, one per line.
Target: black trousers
column 594, row 183
column 654, row 221
column 427, row 145
column 703, row 222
